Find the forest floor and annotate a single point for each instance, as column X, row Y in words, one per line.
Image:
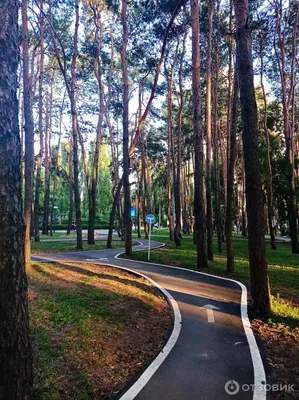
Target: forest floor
column 93, row 328
column 279, row 332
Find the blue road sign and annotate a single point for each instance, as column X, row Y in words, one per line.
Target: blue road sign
column 150, row 219
column 133, row 211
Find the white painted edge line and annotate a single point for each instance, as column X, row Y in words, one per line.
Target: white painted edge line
column 132, row 392
column 259, row 372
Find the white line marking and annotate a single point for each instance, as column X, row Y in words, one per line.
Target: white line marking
column 210, row 312
column 258, row 367
column 210, row 316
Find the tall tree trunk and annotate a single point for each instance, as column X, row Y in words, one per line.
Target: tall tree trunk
column 230, row 180
column 75, row 126
column 175, row 195
column 171, row 179
column 46, row 215
column 15, row 349
column 71, row 189
column 145, row 202
column 199, row 206
column 178, row 178
column 54, row 159
column 209, row 135
column 229, row 98
column 139, row 200
column 260, row 289
column 268, row 149
column 71, row 90
column 118, row 182
column 169, row 193
column 22, row 136
column 95, row 165
column 29, row 135
column 40, row 127
column 215, row 130
column 243, row 202
column 52, row 213
column 288, row 133
column 126, row 165
column 184, row 198
column 116, row 198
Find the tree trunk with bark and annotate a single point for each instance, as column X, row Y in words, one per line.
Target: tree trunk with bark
column 116, row 198
column 199, row 206
column 92, row 190
column 145, row 198
column 71, row 91
column 15, row 348
column 178, row 177
column 287, row 88
column 209, row 134
column 71, row 189
column 126, row 164
column 230, row 265
column 226, row 159
column 259, row 281
column 215, row 129
column 171, row 172
column 268, row 148
column 243, row 202
column 29, row 135
column 40, row 128
column 46, row 215
column 75, row 126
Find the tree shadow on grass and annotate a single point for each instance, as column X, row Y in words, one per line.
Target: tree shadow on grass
column 73, row 324
column 107, row 277
column 73, row 301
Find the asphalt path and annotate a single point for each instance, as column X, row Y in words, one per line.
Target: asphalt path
column 214, row 344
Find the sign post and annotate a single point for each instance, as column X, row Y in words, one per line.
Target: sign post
column 150, row 219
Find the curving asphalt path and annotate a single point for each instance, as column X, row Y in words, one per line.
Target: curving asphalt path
column 206, row 354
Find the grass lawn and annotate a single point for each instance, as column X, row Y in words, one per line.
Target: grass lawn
column 64, row 245
column 93, row 328
column 62, row 234
column 58, row 234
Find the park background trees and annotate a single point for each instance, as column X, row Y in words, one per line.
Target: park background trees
column 181, row 153
column 187, row 111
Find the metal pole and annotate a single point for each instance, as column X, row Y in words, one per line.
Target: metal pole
column 149, row 243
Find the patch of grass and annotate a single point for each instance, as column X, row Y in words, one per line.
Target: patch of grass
column 57, row 235
column 91, row 329
column 65, row 246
